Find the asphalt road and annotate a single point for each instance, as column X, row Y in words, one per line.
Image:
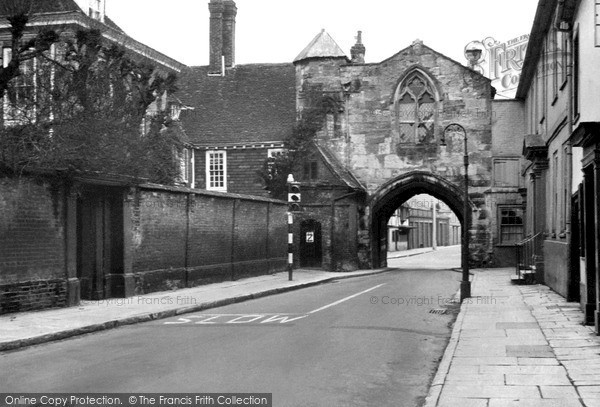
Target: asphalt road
column 368, row 341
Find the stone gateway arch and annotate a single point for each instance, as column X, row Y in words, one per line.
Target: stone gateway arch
column 395, row 192
column 383, row 142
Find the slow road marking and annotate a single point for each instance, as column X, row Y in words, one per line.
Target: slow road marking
column 233, row 319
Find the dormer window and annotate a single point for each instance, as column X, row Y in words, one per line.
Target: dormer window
column 97, row 9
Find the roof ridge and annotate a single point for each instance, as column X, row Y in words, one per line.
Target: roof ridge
column 321, row 46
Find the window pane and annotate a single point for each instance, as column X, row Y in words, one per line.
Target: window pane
column 216, row 169
column 425, row 133
column 407, row 132
column 511, row 225
column 406, row 108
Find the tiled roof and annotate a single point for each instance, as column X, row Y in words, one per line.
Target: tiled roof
column 338, row 169
column 322, row 46
column 47, row 6
column 61, row 6
column 251, row 103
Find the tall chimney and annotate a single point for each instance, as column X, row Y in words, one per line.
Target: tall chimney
column 229, row 14
column 216, row 8
column 357, row 52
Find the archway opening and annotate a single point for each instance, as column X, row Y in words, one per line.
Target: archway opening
column 422, row 222
column 393, row 194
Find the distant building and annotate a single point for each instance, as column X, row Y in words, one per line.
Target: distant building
column 411, row 225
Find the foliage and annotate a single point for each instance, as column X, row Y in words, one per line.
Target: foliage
column 90, row 107
column 275, row 170
column 17, row 12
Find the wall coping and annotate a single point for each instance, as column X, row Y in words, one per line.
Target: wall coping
column 215, row 194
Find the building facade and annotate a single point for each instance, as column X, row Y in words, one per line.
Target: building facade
column 412, row 225
column 385, row 137
column 558, row 90
column 391, row 134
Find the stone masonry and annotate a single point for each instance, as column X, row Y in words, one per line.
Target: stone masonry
column 369, row 133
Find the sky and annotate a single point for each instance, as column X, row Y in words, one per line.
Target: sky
column 272, row 31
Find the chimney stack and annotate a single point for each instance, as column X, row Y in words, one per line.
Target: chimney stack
column 229, row 32
column 222, row 33
column 357, row 52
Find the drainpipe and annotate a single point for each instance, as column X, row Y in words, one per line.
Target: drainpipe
column 333, row 201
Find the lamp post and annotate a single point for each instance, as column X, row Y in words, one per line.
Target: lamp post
column 465, row 284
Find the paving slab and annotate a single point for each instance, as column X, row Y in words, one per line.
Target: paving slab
column 525, row 346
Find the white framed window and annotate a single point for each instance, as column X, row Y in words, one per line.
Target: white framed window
column 20, row 97
column 175, row 111
column 511, row 224
column 96, row 9
column 216, row 170
column 184, row 165
column 276, row 152
column 272, row 155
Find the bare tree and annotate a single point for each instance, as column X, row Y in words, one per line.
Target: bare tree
column 94, row 107
column 17, row 13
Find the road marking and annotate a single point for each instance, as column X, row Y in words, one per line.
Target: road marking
column 220, row 319
column 282, row 319
column 344, row 299
column 270, row 318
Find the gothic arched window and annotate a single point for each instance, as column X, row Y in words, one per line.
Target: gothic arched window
column 415, row 110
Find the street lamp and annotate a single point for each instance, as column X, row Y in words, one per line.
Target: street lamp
column 465, row 284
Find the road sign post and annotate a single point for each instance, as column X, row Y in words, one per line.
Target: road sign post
column 293, row 206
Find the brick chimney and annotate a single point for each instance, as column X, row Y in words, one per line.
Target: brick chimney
column 229, row 32
column 357, row 52
column 222, row 33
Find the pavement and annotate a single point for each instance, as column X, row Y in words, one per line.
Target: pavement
column 517, row 345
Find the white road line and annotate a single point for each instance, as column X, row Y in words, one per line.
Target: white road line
column 344, row 299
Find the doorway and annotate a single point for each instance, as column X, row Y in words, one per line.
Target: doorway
column 310, row 244
column 99, row 240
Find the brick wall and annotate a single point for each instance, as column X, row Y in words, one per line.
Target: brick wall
column 32, row 265
column 173, row 238
column 242, row 165
column 183, row 238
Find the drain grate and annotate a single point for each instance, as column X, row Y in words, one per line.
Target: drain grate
column 438, row 311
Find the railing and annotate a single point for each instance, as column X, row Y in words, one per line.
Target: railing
column 528, row 253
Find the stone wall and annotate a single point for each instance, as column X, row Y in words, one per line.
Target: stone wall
column 368, row 138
